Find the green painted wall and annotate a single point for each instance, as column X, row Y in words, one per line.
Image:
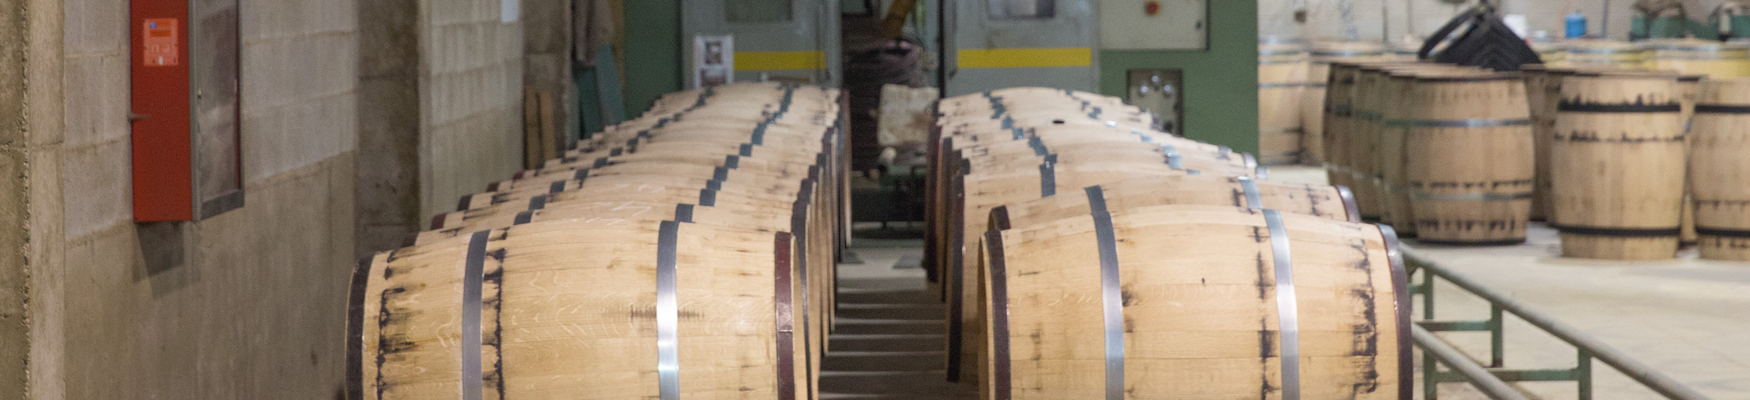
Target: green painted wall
column 653, row 52
column 1221, row 84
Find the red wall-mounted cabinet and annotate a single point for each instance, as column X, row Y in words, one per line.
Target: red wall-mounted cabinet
column 187, row 158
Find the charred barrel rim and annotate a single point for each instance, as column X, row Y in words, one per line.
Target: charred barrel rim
column 1723, row 232
column 1633, row 108
column 1631, row 74
column 1491, row 242
column 1345, row 53
column 1616, row 232
column 355, row 330
column 1722, row 109
column 1492, row 77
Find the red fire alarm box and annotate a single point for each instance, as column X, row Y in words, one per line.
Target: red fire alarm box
column 187, row 153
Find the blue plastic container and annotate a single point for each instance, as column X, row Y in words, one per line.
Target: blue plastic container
column 1576, row 25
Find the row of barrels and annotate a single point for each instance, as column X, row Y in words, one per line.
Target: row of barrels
column 684, row 253
column 1693, row 56
column 1460, row 155
column 1292, row 78
column 1084, row 255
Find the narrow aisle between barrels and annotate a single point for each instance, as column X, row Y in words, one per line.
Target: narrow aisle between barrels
column 889, row 338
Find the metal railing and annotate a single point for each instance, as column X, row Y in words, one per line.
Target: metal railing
column 1493, row 379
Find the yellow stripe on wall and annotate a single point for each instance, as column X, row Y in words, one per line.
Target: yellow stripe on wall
column 779, row 60
column 1024, row 58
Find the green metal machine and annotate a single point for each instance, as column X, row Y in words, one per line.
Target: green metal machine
column 1667, row 19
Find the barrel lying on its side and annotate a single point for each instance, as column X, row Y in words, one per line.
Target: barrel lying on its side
column 1194, row 302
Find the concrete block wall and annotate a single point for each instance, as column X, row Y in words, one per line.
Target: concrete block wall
column 471, row 100
column 1396, row 18
column 247, row 304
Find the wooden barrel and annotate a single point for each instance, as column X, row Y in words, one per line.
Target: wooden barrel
column 618, row 191
column 1339, row 109
column 1365, row 120
column 755, row 158
column 970, row 198
column 1375, row 93
column 683, row 309
column 1699, row 57
column 1468, row 158
column 1282, row 76
column 1055, row 135
column 1605, row 53
column 1543, row 92
column 1318, row 72
column 1191, row 301
column 522, row 191
column 1616, row 166
column 1134, row 190
column 1721, row 138
column 1039, row 119
column 1388, row 134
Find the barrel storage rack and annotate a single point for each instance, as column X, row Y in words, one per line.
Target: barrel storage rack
column 687, row 253
column 1084, row 254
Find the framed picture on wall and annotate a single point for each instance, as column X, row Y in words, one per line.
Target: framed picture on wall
column 713, row 60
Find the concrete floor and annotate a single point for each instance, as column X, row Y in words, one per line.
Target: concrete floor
column 889, row 338
column 1688, row 318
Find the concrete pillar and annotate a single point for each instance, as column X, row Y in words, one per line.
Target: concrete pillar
column 31, row 111
column 547, row 60
column 387, row 194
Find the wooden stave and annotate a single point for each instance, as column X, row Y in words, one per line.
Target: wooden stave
column 1717, row 171
column 1587, row 232
column 1402, row 359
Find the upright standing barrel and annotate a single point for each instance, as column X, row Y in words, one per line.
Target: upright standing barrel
column 1339, row 102
column 1699, row 57
column 1323, row 54
column 1617, row 166
column 1721, row 137
column 1468, row 157
column 1543, row 92
column 1390, row 92
column 1282, row 75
